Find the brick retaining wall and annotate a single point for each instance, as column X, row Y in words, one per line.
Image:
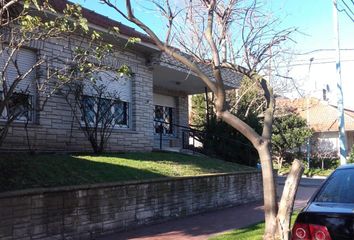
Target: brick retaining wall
column 85, row 212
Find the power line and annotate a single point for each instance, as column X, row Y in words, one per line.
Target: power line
column 306, row 64
column 348, row 7
column 345, row 11
column 322, row 50
column 307, row 60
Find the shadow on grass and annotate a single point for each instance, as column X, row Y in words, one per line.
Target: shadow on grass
column 23, row 171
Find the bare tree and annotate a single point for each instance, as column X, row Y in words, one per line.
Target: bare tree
column 93, row 90
column 22, row 24
column 236, row 36
column 98, row 111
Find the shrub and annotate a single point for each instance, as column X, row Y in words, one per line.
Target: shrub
column 351, row 156
column 225, row 142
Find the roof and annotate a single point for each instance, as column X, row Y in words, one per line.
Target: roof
column 231, row 78
column 323, row 117
column 102, row 21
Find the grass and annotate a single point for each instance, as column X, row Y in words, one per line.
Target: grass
column 21, row 171
column 253, row 232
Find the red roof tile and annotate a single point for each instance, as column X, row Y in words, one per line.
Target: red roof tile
column 323, row 117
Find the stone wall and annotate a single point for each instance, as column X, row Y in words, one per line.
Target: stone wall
column 85, row 212
column 55, row 128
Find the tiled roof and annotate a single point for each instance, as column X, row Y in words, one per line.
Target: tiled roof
column 103, row 21
column 323, row 117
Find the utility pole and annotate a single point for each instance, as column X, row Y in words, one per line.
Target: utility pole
column 341, row 128
column 308, row 155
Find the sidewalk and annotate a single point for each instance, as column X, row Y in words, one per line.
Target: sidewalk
column 198, row 227
column 202, row 226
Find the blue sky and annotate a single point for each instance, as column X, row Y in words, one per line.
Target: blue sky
column 311, row 17
column 314, row 21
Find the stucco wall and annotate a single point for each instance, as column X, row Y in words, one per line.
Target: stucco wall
column 85, row 212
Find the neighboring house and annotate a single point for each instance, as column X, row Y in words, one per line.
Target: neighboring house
column 158, row 91
column 322, row 117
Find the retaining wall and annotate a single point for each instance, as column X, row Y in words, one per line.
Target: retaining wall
column 85, row 212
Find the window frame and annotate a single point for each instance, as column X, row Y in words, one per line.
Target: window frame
column 126, row 105
column 21, row 118
column 165, row 132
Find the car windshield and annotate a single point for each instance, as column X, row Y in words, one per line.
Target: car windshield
column 339, row 188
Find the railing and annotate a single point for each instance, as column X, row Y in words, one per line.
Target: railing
column 187, row 133
column 190, row 138
column 194, row 140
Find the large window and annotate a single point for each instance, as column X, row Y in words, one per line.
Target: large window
column 163, row 120
column 106, row 101
column 105, row 111
column 20, row 107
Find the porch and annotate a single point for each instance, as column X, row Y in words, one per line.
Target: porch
column 172, row 84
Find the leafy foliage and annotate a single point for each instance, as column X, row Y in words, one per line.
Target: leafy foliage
column 199, row 112
column 225, row 142
column 221, row 139
column 289, row 133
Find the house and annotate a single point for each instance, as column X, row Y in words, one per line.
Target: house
column 322, row 117
column 157, row 92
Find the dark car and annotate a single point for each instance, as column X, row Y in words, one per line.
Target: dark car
column 329, row 215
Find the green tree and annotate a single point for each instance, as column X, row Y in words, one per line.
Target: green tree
column 199, row 111
column 289, row 133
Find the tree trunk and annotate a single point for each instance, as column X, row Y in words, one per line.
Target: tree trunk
column 269, row 191
column 288, row 199
column 281, row 163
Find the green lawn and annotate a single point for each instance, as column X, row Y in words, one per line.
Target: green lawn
column 21, row 171
column 253, row 232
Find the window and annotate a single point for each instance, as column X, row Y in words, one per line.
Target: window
column 121, row 113
column 114, row 112
column 19, row 107
column 339, row 188
column 163, row 120
column 88, row 109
